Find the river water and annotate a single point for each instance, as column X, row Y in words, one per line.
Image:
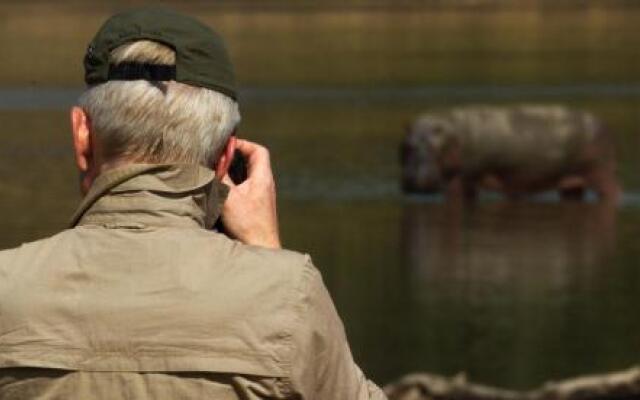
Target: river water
column 511, row 294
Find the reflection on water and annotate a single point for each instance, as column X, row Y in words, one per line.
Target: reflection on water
column 528, row 246
column 511, row 288
column 517, row 294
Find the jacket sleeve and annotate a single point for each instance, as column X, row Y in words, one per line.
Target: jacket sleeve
column 322, row 367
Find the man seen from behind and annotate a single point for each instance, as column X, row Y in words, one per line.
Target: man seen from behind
column 139, row 298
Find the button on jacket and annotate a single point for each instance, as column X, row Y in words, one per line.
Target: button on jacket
column 138, row 301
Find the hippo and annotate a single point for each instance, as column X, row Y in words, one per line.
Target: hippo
column 517, row 151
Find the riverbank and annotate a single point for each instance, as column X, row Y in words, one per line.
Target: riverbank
column 619, row 385
column 481, row 42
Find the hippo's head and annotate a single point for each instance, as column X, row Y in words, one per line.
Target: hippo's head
column 423, row 152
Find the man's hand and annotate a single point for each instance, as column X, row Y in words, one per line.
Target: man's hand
column 249, row 214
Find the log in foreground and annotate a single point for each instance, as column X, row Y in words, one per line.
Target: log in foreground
column 621, row 385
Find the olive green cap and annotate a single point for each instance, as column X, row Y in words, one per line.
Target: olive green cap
column 201, row 56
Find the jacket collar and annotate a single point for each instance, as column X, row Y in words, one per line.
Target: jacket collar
column 139, row 195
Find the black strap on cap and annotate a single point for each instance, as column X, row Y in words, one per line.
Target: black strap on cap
column 130, row 71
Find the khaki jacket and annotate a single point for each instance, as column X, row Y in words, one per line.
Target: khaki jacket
column 138, row 301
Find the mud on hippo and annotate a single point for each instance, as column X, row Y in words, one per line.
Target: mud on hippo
column 517, row 151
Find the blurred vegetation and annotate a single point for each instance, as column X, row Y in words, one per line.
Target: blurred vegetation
column 356, row 43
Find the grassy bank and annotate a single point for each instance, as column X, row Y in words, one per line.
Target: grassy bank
column 413, row 44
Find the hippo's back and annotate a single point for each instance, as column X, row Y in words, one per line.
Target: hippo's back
column 529, row 138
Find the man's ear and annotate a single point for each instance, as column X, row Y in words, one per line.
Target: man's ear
column 80, row 129
column 83, row 149
column 222, row 166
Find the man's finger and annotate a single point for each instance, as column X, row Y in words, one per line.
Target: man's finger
column 258, row 158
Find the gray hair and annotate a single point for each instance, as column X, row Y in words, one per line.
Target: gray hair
column 158, row 122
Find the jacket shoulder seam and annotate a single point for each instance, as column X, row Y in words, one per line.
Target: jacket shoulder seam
column 299, row 307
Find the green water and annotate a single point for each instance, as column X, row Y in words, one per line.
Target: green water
column 511, row 294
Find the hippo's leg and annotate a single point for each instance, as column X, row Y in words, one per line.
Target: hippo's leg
column 572, row 187
column 462, row 188
column 601, row 175
column 603, row 180
column 470, row 192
